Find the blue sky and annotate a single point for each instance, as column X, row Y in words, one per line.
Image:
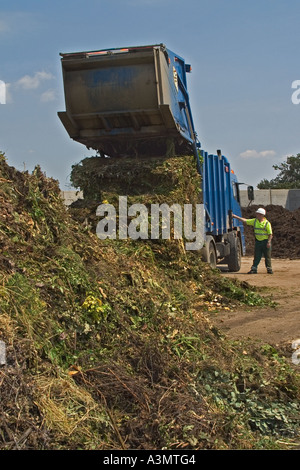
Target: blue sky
column 244, row 56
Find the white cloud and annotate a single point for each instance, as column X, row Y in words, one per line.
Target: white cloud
column 49, row 95
column 32, row 82
column 255, row 154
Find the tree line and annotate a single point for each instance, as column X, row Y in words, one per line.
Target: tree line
column 288, row 177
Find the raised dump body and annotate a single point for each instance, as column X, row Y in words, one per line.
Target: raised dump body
column 128, row 102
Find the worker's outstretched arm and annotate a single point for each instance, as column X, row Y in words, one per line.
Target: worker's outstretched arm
column 239, row 218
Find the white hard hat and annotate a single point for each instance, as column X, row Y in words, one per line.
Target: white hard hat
column 261, row 211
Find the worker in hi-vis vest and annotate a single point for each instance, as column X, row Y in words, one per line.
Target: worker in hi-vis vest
column 263, row 237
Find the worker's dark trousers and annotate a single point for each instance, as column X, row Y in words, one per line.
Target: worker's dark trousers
column 259, row 251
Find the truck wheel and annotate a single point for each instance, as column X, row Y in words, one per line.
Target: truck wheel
column 235, row 257
column 209, row 254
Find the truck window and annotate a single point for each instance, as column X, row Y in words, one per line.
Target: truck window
column 236, row 191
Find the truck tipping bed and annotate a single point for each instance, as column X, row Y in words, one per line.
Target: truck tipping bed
column 128, row 102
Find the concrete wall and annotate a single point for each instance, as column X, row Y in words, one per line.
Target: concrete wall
column 287, row 198
column 71, row 196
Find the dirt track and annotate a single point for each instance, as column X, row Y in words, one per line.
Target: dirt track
column 276, row 326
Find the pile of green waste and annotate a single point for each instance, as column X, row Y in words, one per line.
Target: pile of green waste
column 161, row 179
column 109, row 343
column 143, row 181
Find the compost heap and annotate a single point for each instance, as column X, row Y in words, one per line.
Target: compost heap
column 286, row 231
column 109, row 343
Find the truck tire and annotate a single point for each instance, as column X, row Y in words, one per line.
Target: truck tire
column 209, row 253
column 235, row 256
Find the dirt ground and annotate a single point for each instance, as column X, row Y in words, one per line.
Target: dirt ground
column 276, row 326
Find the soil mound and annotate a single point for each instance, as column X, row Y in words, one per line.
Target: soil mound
column 286, row 231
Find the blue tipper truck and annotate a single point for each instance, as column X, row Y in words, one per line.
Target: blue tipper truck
column 134, row 101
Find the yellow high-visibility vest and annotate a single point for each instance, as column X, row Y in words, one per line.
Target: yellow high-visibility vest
column 262, row 230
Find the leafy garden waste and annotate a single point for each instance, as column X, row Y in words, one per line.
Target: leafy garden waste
column 109, row 344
